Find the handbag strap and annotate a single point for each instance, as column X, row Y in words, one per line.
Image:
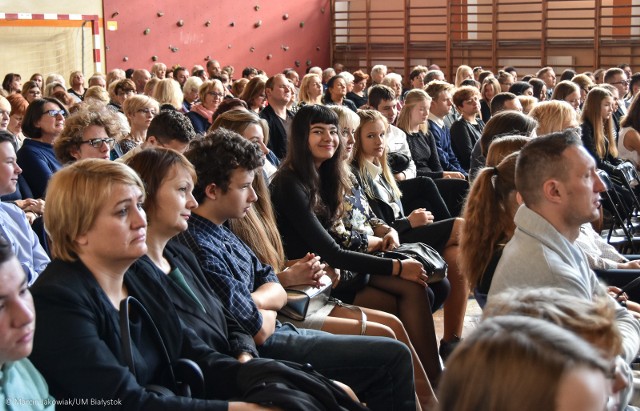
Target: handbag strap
column 125, row 331
column 363, row 315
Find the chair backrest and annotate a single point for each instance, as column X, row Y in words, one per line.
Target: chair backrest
column 628, row 171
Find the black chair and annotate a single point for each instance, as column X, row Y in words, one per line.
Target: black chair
column 620, row 233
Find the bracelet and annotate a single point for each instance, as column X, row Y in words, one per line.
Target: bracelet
column 400, row 270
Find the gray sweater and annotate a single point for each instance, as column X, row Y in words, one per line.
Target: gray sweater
column 539, row 256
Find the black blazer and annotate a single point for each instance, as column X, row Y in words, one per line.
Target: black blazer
column 214, row 324
column 277, row 133
column 77, row 344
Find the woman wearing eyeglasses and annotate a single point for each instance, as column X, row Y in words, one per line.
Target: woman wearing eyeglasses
column 211, row 93
column 90, row 132
column 43, row 123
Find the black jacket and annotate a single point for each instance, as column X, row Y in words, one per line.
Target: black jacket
column 277, row 133
column 214, row 324
column 77, row 344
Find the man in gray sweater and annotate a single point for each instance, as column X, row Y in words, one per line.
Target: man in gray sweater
column 557, row 181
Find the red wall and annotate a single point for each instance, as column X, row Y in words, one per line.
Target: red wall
column 220, row 40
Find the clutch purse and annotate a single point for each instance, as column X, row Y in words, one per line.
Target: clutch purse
column 305, row 300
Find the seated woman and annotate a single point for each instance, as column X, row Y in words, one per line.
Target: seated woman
column 190, row 93
column 336, row 93
column 503, row 123
column 211, row 93
column 554, row 115
column 521, row 88
column 307, row 192
column 18, row 110
column 358, row 94
column 629, row 136
column 90, row 132
column 31, row 91
column 466, row 131
column 558, row 365
column 22, row 383
column 43, row 123
column 254, row 95
column 80, row 292
column 490, row 87
column 159, row 70
column 254, row 129
column 567, row 91
column 310, row 90
column 599, row 137
column 488, row 213
column 539, row 89
column 168, row 94
column 452, row 186
column 140, row 110
column 370, row 166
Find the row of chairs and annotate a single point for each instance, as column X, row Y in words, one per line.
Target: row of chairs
column 624, row 221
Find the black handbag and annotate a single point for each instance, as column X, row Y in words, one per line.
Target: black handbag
column 186, row 376
column 431, row 260
column 398, row 162
column 305, row 300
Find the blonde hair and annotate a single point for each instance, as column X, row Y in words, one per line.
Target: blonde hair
column 138, row 102
column 209, row 86
column 157, row 67
column 76, row 184
column 592, row 112
column 554, row 115
column 167, row 91
column 97, row 93
column 193, row 83
column 304, row 95
column 346, row 117
column 412, row 99
column 490, row 81
column 366, row 117
column 462, row 72
column 513, row 363
column 594, row 321
column 528, row 103
column 150, row 87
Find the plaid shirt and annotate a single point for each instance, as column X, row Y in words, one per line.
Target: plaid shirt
column 231, row 268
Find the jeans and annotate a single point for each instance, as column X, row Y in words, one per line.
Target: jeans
column 378, row 369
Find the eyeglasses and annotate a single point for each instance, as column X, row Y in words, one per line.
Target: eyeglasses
column 147, row 111
column 4, row 113
column 54, row 113
column 125, row 92
column 621, row 82
column 98, row 142
column 215, row 94
column 34, row 92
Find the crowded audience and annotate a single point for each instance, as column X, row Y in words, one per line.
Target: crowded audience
column 163, row 214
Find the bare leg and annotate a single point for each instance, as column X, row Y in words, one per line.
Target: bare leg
column 343, row 320
column 413, row 309
column 455, row 306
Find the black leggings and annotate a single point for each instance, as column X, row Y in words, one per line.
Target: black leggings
column 422, row 192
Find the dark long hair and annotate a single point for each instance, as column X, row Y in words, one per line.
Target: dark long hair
column 326, row 185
